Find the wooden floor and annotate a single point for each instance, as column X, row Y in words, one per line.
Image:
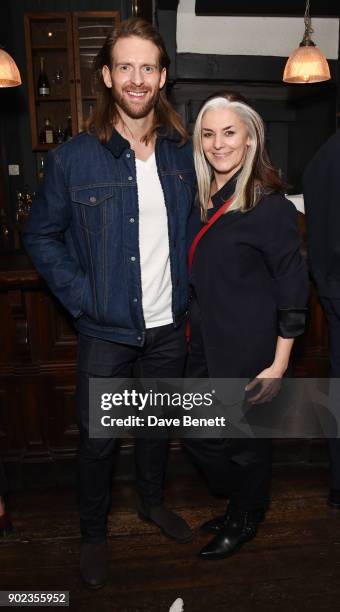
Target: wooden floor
column 294, row 563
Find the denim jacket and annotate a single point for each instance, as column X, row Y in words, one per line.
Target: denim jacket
column 83, row 237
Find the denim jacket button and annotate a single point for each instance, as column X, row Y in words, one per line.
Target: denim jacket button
column 133, row 258
column 130, row 178
column 93, row 199
column 139, row 338
column 128, row 155
column 132, row 220
column 135, row 300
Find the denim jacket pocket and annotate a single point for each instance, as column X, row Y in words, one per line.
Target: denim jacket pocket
column 94, row 207
column 87, row 305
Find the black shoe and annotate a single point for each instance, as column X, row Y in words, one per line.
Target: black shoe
column 219, row 522
column 6, row 526
column 240, row 528
column 94, row 564
column 334, row 498
column 171, row 525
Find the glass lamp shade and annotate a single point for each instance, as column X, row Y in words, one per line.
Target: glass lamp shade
column 9, row 73
column 306, row 65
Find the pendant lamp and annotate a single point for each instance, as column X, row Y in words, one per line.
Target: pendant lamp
column 9, row 73
column 306, row 64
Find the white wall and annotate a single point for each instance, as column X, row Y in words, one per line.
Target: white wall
column 275, row 36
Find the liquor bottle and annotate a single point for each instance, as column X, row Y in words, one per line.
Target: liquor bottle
column 43, row 83
column 59, row 135
column 68, row 129
column 46, row 134
column 41, row 168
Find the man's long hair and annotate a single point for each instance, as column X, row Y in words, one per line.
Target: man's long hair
column 105, row 114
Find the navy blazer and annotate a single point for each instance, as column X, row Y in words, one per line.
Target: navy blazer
column 250, row 284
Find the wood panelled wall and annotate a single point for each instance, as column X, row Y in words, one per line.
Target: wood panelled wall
column 37, row 369
column 37, row 342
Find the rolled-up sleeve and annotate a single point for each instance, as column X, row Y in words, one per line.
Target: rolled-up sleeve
column 281, row 251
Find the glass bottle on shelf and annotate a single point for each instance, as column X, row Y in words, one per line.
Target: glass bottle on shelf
column 59, row 135
column 24, row 203
column 4, row 230
column 68, row 130
column 46, row 134
column 41, row 167
column 43, row 82
column 58, row 81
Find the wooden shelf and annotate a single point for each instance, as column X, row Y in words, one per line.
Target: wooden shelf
column 45, row 147
column 67, row 97
column 39, row 99
column 49, row 48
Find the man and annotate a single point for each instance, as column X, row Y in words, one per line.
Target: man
column 322, row 204
column 107, row 232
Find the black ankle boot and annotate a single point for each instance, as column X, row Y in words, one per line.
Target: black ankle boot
column 171, row 524
column 217, row 523
column 94, row 564
column 240, row 527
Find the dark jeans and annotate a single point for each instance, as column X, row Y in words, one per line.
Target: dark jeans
column 237, row 468
column 162, row 356
column 332, row 311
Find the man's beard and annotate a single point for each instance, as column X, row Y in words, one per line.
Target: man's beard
column 135, row 111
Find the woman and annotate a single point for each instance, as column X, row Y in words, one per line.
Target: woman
column 249, row 291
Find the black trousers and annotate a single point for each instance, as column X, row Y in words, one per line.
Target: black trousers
column 332, row 311
column 237, row 468
column 162, row 356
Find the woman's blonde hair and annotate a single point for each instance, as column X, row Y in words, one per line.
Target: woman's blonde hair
column 257, row 175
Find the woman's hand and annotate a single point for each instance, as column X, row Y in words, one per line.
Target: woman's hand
column 269, row 380
column 267, row 384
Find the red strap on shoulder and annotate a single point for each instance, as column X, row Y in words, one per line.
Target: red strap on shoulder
column 205, row 228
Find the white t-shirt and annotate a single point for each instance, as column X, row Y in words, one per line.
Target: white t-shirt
column 153, row 246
